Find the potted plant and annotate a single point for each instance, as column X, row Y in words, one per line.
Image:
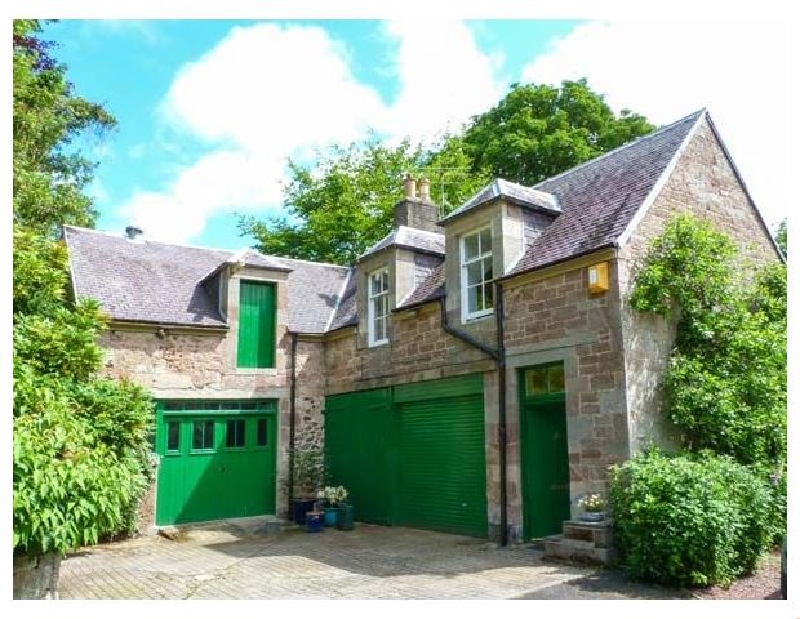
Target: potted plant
column 307, row 475
column 333, row 497
column 593, row 506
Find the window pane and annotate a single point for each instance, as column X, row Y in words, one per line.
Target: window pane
column 474, row 273
column 486, row 240
column 488, row 295
column 470, row 246
column 374, row 283
column 536, row 381
column 380, row 329
column 488, row 269
column 472, row 299
column 203, row 435
column 173, row 436
column 556, row 378
column 261, row 433
column 377, row 308
column 384, row 280
column 234, row 433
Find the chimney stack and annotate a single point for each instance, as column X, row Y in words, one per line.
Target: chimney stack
column 133, row 233
column 410, row 186
column 424, row 189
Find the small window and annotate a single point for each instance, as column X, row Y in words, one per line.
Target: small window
column 378, row 307
column 544, row 380
column 173, row 436
column 203, row 435
column 261, row 433
column 477, row 274
column 234, row 433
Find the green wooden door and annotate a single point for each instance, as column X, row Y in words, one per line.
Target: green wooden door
column 217, row 461
column 256, row 339
column 545, row 458
column 359, row 451
column 442, row 462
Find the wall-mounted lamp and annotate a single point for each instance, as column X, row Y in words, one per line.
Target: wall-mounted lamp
column 598, row 278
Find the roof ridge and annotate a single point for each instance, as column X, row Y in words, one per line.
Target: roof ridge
column 323, row 264
column 638, row 140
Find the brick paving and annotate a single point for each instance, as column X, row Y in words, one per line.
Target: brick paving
column 371, row 562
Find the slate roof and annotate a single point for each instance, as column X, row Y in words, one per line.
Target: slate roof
column 148, row 281
column 345, row 313
column 515, row 192
column 431, row 288
column 410, row 238
column 601, row 197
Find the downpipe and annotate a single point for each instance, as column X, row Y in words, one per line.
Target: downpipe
column 499, row 357
column 292, row 397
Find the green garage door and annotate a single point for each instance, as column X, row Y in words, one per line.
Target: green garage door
column 442, row 469
column 217, row 460
column 358, row 446
column 412, row 455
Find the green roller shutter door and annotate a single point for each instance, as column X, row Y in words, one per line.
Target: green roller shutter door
column 256, row 341
column 412, row 455
column 442, row 469
column 358, row 451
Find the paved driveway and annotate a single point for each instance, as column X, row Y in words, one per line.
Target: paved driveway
column 370, row 562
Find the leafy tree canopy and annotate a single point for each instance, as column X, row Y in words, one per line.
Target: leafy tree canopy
column 81, row 442
column 343, row 204
column 780, row 237
column 537, row 131
column 50, row 171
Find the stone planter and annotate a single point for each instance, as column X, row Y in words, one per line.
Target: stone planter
column 36, row 577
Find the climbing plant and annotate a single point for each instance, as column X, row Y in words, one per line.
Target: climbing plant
column 726, row 383
column 713, row 505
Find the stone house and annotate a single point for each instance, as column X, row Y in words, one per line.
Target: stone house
column 475, row 373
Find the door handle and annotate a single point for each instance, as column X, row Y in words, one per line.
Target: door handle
column 223, row 468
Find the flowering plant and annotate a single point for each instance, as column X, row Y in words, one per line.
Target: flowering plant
column 333, row 495
column 592, row 503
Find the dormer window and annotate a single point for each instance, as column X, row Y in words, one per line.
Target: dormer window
column 477, row 273
column 378, row 307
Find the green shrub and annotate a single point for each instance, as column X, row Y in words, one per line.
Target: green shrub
column 689, row 520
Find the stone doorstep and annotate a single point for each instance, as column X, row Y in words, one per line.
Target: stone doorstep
column 255, row 525
column 560, row 547
column 601, row 536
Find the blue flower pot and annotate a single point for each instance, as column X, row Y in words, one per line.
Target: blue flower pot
column 345, row 517
column 331, row 516
column 314, row 522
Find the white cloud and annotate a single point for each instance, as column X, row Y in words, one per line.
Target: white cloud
column 266, row 93
column 667, row 70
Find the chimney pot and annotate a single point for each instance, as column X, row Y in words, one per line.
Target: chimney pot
column 133, row 233
column 410, row 186
column 424, row 189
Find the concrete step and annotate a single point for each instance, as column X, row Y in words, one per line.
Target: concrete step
column 600, row 536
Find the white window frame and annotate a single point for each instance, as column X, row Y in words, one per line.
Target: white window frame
column 465, row 313
column 371, row 317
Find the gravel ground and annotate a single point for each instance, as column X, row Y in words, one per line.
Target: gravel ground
column 765, row 584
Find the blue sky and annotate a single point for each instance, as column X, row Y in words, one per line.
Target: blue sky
column 209, row 110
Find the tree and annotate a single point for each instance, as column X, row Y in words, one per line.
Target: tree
column 80, row 442
column 50, row 171
column 780, row 238
column 342, row 204
column 538, row 131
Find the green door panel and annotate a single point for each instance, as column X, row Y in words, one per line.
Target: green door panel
column 545, row 464
column 256, row 340
column 358, row 451
column 200, row 482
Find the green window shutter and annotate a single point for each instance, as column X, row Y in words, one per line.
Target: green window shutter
column 256, row 345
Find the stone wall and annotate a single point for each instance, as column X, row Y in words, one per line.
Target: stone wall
column 195, row 366
column 555, row 318
column 703, row 183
